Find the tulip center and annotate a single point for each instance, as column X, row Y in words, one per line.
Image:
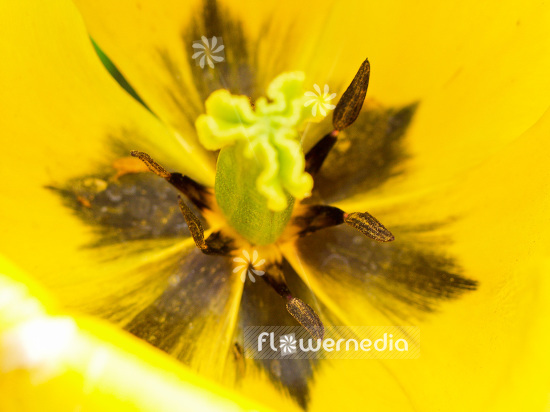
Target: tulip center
column 261, row 166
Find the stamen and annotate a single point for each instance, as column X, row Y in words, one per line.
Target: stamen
column 346, row 112
column 151, row 164
column 216, row 244
column 200, row 195
column 311, row 218
column 275, row 278
column 349, row 106
column 306, row 316
column 318, row 153
column 369, row 226
column 298, row 309
column 194, row 224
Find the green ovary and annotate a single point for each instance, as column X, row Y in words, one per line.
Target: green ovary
column 245, row 208
column 260, row 170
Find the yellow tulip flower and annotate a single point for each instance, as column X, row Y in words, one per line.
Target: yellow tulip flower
column 449, row 151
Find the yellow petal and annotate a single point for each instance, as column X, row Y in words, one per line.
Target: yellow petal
column 50, row 361
column 491, row 343
column 480, row 81
column 409, row 86
column 151, row 44
column 495, row 86
column 63, row 118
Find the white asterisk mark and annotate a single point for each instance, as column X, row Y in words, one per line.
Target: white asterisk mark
column 206, row 51
column 287, row 343
column 248, row 265
column 320, row 100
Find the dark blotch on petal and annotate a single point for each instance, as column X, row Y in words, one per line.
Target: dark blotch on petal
column 366, row 155
column 402, row 278
column 235, row 73
column 175, row 320
column 201, row 196
column 133, row 207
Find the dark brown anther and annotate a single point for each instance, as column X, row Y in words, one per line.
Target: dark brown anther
column 151, row 164
column 306, row 317
column 216, row 244
column 350, row 103
column 194, row 224
column 299, row 310
column 318, row 153
column 200, row 195
column 369, row 226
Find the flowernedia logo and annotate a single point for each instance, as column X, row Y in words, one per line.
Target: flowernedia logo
column 340, row 342
column 287, row 343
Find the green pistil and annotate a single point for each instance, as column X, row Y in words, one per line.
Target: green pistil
column 260, row 169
